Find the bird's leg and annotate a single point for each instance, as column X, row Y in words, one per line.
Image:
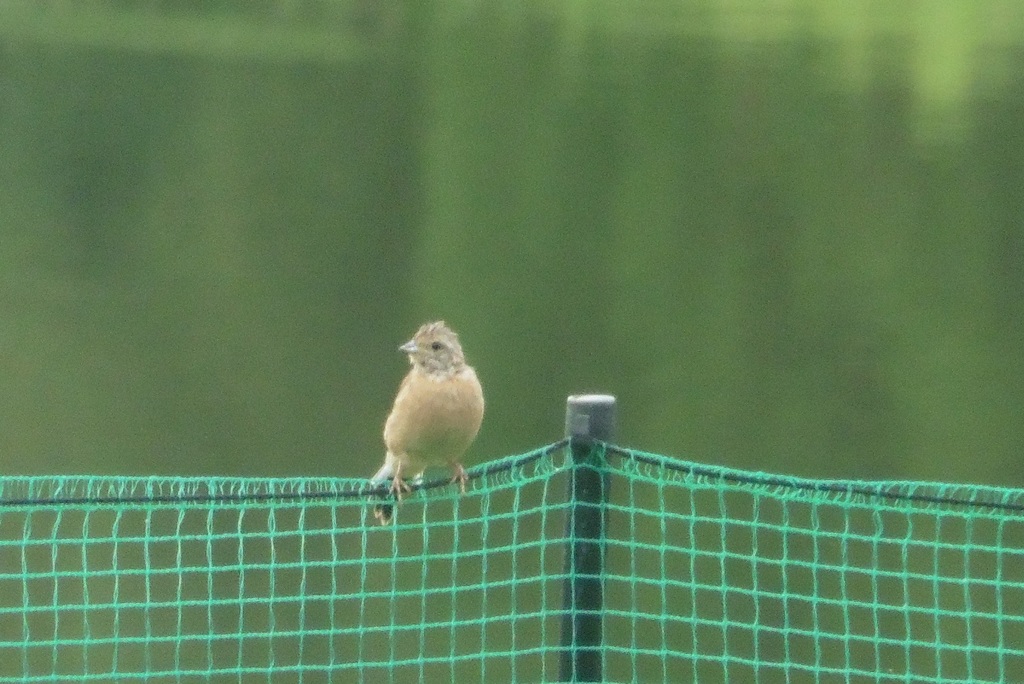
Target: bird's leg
column 398, row 485
column 459, row 475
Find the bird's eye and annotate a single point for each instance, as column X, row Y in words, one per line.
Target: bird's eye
column 437, row 346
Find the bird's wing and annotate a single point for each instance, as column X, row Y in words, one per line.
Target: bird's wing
column 386, row 472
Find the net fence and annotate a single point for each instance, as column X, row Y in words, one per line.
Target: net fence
column 710, row 575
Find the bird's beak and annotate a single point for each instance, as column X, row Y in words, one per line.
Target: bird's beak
column 409, row 347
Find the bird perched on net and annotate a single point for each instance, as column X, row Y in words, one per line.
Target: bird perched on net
column 436, row 415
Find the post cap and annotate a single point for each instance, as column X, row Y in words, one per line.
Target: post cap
column 590, row 416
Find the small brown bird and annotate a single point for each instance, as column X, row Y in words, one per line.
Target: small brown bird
column 436, row 415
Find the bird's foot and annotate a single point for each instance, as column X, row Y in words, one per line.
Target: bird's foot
column 459, row 475
column 399, row 487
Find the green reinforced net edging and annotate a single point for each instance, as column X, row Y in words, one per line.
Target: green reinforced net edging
column 711, row 575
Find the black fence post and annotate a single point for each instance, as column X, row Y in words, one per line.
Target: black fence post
column 588, row 417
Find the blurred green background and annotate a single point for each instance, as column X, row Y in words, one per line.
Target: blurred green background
column 787, row 236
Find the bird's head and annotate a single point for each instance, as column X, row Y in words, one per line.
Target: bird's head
column 435, row 348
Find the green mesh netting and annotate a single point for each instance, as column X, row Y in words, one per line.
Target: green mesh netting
column 711, row 575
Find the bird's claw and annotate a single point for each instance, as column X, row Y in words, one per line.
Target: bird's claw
column 399, row 487
column 460, row 476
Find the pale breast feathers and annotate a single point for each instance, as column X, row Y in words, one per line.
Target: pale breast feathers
column 438, row 419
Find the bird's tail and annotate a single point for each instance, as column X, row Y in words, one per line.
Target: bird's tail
column 384, row 510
